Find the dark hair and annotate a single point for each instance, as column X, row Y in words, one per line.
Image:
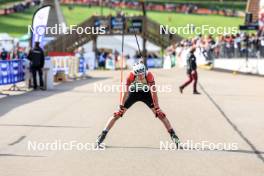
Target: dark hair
column 192, row 50
column 37, row 44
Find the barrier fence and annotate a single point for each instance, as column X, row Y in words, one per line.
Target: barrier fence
column 12, row 72
column 72, row 66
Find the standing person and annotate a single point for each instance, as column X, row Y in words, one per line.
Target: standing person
column 140, row 86
column 4, row 54
column 37, row 61
column 261, row 40
column 102, row 59
column 191, row 72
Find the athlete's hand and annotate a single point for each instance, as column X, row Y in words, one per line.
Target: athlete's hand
column 120, row 111
column 159, row 113
column 121, row 107
column 157, row 107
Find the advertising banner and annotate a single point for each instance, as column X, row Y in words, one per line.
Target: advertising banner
column 39, row 24
column 11, row 71
column 117, row 24
column 134, row 25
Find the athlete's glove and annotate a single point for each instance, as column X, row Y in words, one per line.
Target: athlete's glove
column 120, row 112
column 159, row 113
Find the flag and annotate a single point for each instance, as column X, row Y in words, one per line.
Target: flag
column 39, row 24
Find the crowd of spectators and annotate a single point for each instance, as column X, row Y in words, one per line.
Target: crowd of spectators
column 238, row 45
column 19, row 6
column 187, row 8
column 17, row 53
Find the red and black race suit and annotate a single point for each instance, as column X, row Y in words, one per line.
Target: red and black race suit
column 139, row 95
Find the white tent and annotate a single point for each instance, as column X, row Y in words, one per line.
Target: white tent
column 5, row 36
column 115, row 43
column 6, row 42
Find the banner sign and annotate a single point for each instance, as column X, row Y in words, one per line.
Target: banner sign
column 12, row 71
column 114, row 25
column 248, row 27
column 154, row 63
column 117, row 25
column 134, row 26
column 39, row 24
column 103, row 23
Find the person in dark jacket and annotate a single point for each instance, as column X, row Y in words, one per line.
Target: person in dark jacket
column 37, row 61
column 4, row 54
column 191, row 72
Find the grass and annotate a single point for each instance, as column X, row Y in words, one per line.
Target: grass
column 197, row 20
column 165, row 18
column 16, row 24
column 211, row 4
column 197, row 1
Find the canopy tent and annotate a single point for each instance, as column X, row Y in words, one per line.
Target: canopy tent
column 6, row 37
column 24, row 41
column 24, row 38
column 6, row 41
column 115, row 43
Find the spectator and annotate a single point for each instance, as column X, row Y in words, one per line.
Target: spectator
column 37, row 60
column 237, row 45
column 102, row 59
column 228, row 46
column 261, row 46
column 4, row 54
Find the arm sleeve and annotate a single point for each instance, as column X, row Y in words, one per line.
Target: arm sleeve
column 151, row 82
column 150, row 78
column 130, row 79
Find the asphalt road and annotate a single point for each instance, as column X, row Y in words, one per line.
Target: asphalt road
column 229, row 111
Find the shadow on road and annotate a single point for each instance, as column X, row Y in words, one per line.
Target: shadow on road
column 10, row 102
column 184, row 149
column 41, row 126
column 232, row 124
column 17, row 155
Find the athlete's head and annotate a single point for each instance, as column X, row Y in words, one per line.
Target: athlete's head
column 139, row 69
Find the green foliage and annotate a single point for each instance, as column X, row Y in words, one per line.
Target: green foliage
column 17, row 24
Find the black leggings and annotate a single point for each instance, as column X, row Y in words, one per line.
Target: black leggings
column 142, row 96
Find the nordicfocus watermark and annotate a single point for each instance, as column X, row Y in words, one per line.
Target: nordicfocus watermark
column 58, row 145
column 112, row 88
column 191, row 29
column 203, row 145
column 63, row 29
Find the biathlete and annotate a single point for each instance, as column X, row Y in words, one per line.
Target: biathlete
column 140, row 86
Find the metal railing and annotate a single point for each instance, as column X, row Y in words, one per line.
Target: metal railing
column 225, row 50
